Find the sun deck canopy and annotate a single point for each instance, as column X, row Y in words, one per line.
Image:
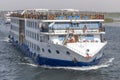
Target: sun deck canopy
column 61, row 14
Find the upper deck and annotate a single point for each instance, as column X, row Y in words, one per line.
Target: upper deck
column 57, row 15
column 61, row 22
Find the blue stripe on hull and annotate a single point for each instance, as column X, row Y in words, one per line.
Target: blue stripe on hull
column 56, row 62
column 52, row 62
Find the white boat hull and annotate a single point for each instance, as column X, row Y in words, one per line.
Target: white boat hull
column 60, row 60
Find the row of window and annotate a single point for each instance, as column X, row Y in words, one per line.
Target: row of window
column 32, row 24
column 77, row 25
column 57, row 51
column 37, row 48
column 15, row 28
column 32, row 35
column 33, row 46
column 15, row 21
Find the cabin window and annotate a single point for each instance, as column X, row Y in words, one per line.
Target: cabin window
column 38, row 48
column 28, row 34
column 68, row 53
column 32, row 24
column 89, row 37
column 38, row 37
column 90, row 25
column 33, row 35
column 34, row 46
column 42, row 38
column 28, row 23
column 74, row 25
column 61, row 25
column 49, row 50
column 61, row 37
column 57, row 52
column 35, row 25
column 43, row 50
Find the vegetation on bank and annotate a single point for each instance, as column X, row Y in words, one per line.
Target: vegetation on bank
column 108, row 20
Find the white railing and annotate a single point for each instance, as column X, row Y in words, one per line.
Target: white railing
column 75, row 31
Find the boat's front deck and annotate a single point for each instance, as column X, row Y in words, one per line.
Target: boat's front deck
column 84, row 48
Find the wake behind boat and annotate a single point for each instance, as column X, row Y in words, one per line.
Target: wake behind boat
column 58, row 37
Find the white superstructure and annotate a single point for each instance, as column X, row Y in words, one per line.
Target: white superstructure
column 59, row 37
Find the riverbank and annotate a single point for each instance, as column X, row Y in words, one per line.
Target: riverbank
column 108, row 20
column 112, row 24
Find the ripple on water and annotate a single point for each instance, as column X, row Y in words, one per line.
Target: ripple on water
column 15, row 66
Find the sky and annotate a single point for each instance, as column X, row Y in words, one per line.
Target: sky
column 82, row 5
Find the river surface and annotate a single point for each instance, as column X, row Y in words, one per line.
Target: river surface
column 15, row 66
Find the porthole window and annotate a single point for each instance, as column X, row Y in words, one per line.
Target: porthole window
column 34, row 54
column 38, row 55
column 38, row 48
column 68, row 53
column 49, row 50
column 43, row 50
column 57, row 52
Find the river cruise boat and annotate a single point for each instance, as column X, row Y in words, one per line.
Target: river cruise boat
column 64, row 37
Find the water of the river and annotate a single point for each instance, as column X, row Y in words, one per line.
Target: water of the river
column 15, row 66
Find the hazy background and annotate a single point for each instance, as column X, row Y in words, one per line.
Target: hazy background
column 82, row 5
